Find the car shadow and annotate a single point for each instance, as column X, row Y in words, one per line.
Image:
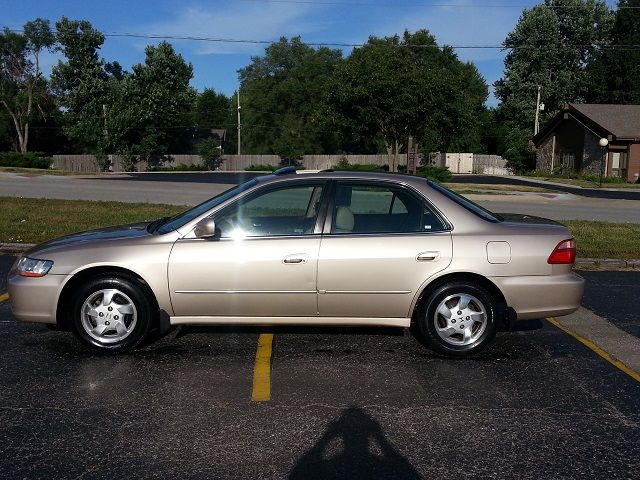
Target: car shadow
column 353, row 446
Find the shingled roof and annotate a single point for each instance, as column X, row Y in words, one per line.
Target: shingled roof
column 618, row 122
column 623, row 121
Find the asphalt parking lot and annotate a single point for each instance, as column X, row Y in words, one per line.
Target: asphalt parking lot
column 367, row 403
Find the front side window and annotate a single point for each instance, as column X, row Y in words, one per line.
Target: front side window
column 361, row 208
column 282, row 211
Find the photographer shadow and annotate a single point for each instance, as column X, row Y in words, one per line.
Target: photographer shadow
column 353, row 446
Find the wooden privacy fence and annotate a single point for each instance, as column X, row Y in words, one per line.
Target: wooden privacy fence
column 489, row 164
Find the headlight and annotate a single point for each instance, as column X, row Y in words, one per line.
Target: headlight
column 32, row 267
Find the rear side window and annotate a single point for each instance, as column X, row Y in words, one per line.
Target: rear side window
column 363, row 208
column 466, row 203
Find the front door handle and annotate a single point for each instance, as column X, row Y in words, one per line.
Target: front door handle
column 427, row 256
column 295, row 258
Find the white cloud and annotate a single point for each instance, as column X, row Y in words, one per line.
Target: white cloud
column 461, row 26
column 264, row 21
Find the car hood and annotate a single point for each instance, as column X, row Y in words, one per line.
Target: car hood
column 93, row 236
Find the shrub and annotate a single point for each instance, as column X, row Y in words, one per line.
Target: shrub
column 210, row 152
column 24, row 160
column 439, row 174
column 581, row 175
column 180, row 168
column 343, row 164
column 260, row 168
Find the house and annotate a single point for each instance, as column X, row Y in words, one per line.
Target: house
column 572, row 140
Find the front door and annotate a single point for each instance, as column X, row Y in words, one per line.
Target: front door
column 262, row 263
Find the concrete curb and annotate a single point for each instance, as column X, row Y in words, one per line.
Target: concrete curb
column 15, row 247
column 581, row 263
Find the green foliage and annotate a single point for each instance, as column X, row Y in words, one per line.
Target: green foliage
column 103, row 161
column 282, row 97
column 261, row 168
column 549, row 48
column 24, row 160
column 439, row 174
column 614, row 73
column 210, row 151
column 81, row 83
column 396, row 87
column 211, row 109
column 581, row 175
column 344, row 164
column 23, row 90
column 179, row 168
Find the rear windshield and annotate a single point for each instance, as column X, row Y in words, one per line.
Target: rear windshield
column 466, row 203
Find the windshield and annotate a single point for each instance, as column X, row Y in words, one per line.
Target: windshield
column 185, row 217
column 466, row 203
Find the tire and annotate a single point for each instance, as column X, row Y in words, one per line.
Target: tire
column 111, row 313
column 457, row 319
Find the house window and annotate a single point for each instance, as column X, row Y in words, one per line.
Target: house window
column 619, row 164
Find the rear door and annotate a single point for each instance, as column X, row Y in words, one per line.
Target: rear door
column 381, row 242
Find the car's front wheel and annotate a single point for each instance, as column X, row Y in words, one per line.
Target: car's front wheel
column 457, row 319
column 111, row 313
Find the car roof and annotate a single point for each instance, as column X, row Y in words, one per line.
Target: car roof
column 289, row 173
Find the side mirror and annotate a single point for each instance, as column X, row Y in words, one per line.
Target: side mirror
column 205, row 228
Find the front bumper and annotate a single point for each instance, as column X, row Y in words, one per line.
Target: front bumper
column 35, row 299
column 542, row 296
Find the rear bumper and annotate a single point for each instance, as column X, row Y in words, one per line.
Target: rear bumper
column 35, row 299
column 542, row 296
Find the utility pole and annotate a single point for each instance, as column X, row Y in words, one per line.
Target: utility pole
column 239, row 124
column 539, row 107
column 104, row 117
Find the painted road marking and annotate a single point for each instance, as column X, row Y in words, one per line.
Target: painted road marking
column 597, row 349
column 262, row 370
column 4, row 297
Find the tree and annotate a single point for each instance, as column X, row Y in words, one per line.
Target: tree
column 22, row 86
column 400, row 87
column 147, row 111
column 283, row 100
column 211, row 109
column 614, row 73
column 550, row 48
column 82, row 83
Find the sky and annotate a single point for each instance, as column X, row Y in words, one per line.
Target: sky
column 215, row 64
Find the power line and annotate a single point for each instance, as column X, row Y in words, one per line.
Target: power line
column 429, row 4
column 149, row 36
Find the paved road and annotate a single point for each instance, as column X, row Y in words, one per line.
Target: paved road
column 345, row 404
column 607, row 192
column 144, row 188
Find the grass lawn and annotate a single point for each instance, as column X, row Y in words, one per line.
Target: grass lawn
column 470, row 188
column 606, row 240
column 34, row 220
column 47, row 171
column 587, row 183
column 27, row 220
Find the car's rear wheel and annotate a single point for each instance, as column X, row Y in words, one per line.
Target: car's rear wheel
column 111, row 313
column 457, row 319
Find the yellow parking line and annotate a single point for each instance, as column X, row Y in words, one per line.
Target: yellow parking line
column 597, row 349
column 262, row 369
column 3, row 297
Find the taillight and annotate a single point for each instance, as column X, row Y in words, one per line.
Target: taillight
column 564, row 253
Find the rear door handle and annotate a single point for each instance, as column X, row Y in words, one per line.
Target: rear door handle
column 295, row 258
column 428, row 256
